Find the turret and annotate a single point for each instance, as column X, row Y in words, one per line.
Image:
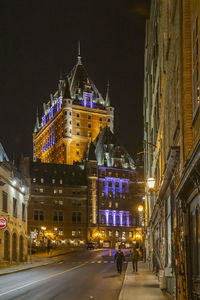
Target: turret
column 92, row 171
column 67, row 120
column 109, row 110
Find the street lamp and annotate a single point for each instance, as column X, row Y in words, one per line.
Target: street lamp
column 140, row 208
column 151, row 184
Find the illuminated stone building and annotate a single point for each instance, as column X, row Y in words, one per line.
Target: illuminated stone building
column 72, row 117
column 58, row 204
column 172, row 151
column 113, row 201
column 14, row 195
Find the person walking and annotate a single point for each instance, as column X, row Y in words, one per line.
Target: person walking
column 119, row 258
column 134, row 257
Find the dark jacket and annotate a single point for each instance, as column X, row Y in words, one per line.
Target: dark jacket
column 134, row 255
column 119, row 256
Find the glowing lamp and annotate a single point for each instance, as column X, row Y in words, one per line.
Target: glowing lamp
column 14, row 182
column 140, row 208
column 151, row 183
column 43, row 228
column 22, row 188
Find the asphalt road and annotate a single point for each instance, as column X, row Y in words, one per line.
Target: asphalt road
column 77, row 276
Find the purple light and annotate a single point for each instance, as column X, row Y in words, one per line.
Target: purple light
column 127, row 221
column 114, row 218
column 107, row 216
column 121, row 219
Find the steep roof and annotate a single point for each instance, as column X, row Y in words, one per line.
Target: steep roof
column 3, row 155
column 110, row 153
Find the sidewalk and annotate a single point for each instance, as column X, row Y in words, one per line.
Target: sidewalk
column 37, row 261
column 143, row 285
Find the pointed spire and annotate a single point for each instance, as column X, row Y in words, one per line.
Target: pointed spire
column 107, row 101
column 67, row 90
column 79, row 53
column 37, row 124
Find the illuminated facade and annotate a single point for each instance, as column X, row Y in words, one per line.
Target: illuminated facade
column 14, row 195
column 113, row 197
column 172, row 144
column 72, row 118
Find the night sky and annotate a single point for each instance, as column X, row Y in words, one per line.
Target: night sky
column 39, row 41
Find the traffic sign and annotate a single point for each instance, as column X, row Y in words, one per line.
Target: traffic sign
column 3, row 223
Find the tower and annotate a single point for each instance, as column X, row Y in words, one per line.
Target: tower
column 73, row 117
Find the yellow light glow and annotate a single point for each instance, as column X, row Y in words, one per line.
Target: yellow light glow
column 151, row 183
column 140, row 208
column 138, row 235
column 43, row 228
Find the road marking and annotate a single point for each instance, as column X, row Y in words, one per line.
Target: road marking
column 42, row 279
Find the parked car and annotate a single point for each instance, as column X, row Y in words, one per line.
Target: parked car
column 90, row 246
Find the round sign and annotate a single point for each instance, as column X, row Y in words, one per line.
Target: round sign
column 3, row 223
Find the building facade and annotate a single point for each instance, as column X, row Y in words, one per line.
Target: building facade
column 57, row 208
column 72, row 118
column 113, row 194
column 14, row 194
column 171, row 133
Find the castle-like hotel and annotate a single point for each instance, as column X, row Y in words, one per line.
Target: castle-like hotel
column 84, row 184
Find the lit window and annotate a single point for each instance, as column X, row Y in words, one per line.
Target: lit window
column 117, row 233
column 130, row 234
column 60, row 202
column 61, row 181
column 34, row 179
column 123, row 235
column 41, row 190
column 103, row 232
column 110, row 233
column 42, row 180
column 60, row 231
column 55, row 191
column 60, row 191
column 73, row 232
column 116, row 204
column 102, row 194
column 53, row 180
column 109, row 204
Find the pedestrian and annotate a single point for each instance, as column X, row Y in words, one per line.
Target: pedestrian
column 119, row 258
column 49, row 246
column 134, row 257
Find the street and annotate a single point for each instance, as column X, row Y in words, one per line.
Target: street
column 80, row 275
